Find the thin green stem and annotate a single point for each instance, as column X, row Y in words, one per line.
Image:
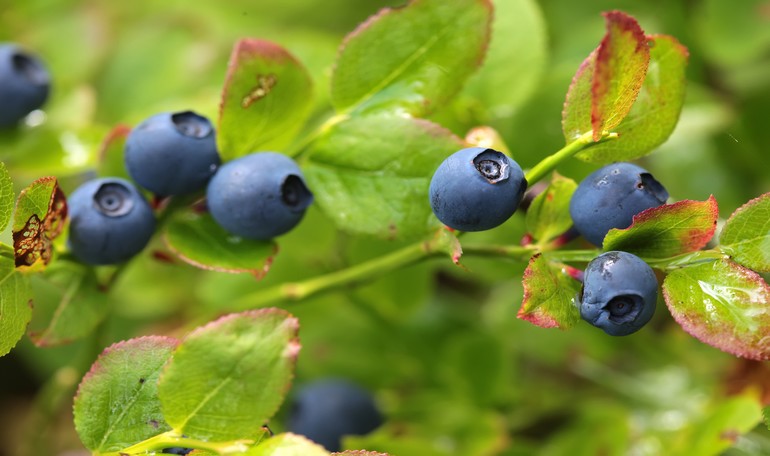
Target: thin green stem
column 550, row 162
column 516, row 252
column 174, row 439
column 295, row 291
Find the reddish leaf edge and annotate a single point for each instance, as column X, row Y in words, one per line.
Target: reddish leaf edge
column 258, row 273
column 536, row 316
column 761, row 355
column 252, row 46
column 599, row 85
column 168, row 341
column 698, row 239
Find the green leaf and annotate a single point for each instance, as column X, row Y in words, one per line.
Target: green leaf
column 667, row 230
column 41, row 211
column 15, row 301
column 548, row 215
column 117, row 403
column 110, row 160
column 266, row 98
column 608, row 82
column 68, row 304
column 370, row 175
column 198, row 240
column 229, row 377
column 656, row 111
column 516, row 58
column 722, row 304
column 621, row 66
column 549, row 295
column 411, row 59
column 746, row 234
column 723, row 425
column 766, row 416
column 287, row 444
column 6, row 197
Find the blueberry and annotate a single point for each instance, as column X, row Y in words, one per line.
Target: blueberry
column 610, row 197
column 24, row 84
column 619, row 293
column 476, row 189
column 176, row 450
column 258, row 196
column 110, row 221
column 328, row 409
column 172, row 153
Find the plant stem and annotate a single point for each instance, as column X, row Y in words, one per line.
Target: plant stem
column 550, row 162
column 174, row 439
column 295, row 291
column 516, row 252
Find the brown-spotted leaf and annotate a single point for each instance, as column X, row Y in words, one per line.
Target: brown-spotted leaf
column 668, row 230
column 746, row 234
column 41, row 211
column 549, row 294
column 266, row 98
column 722, row 304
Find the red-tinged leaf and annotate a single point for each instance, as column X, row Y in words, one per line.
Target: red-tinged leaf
column 668, row 230
column 41, row 211
column 576, row 115
column 266, row 98
column 227, row 378
column 621, row 66
column 722, row 304
column 198, row 240
column 117, row 403
column 656, row 111
column 746, row 234
column 548, row 214
column 110, row 161
column 549, row 295
column 411, row 59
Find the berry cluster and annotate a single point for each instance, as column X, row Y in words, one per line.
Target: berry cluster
column 477, row 189
column 259, row 196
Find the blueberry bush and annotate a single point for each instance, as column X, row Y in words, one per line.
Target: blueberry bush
column 221, row 205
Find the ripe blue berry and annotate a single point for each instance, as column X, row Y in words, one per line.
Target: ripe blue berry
column 24, row 84
column 476, row 189
column 619, row 293
column 258, row 196
column 326, row 410
column 110, row 221
column 172, row 153
column 610, row 197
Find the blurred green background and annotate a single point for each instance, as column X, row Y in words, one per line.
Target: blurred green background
column 454, row 370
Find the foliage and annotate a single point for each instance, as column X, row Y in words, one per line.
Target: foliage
column 443, row 325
